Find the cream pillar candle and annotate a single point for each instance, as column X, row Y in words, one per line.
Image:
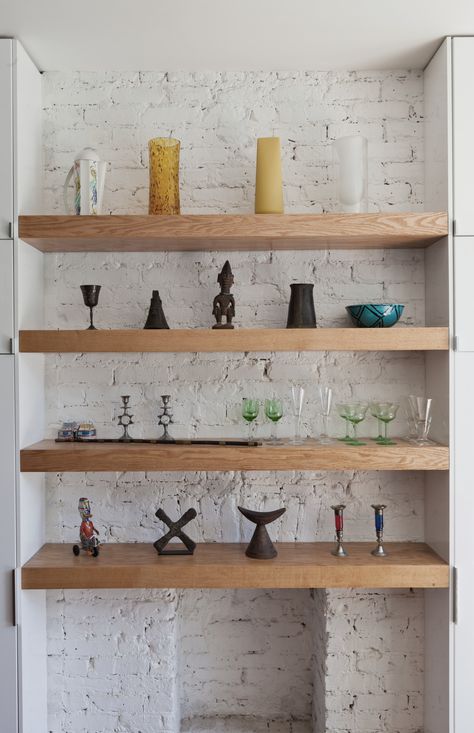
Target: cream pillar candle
column 268, row 185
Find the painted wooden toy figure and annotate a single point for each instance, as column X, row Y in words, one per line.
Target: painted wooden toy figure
column 224, row 303
column 87, row 532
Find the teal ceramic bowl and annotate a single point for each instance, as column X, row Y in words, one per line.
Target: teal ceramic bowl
column 374, row 315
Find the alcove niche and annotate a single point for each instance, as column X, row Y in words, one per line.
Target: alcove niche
column 247, row 661
column 236, row 661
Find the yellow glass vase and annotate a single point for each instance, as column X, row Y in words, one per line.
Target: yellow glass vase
column 164, row 175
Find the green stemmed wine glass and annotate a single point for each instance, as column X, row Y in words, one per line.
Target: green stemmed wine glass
column 342, row 412
column 250, row 410
column 385, row 412
column 355, row 413
column 274, row 412
column 373, row 411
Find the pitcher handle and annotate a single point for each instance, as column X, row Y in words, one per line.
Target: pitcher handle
column 65, row 187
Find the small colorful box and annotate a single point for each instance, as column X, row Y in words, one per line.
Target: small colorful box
column 86, row 431
column 68, row 431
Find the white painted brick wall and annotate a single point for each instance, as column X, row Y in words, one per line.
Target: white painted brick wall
column 125, row 504
column 319, row 636
column 368, row 663
column 120, row 674
column 114, row 656
column 232, row 644
column 218, row 116
column 374, row 662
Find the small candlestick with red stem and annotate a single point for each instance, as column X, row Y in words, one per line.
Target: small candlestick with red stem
column 339, row 550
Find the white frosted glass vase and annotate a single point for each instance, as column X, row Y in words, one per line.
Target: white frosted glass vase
column 350, row 169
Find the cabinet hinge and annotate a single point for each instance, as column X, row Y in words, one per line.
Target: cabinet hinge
column 454, row 227
column 455, row 343
column 454, row 583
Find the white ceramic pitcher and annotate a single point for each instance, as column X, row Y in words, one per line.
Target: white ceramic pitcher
column 89, row 179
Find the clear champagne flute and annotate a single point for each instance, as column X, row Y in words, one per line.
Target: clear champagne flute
column 250, row 410
column 325, row 398
column 297, row 398
column 274, row 412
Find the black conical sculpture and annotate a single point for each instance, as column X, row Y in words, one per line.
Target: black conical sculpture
column 261, row 547
column 156, row 317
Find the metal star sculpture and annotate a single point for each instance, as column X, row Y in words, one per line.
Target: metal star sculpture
column 175, row 530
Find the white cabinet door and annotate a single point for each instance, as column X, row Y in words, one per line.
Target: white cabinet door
column 463, row 135
column 463, row 282
column 8, row 641
column 464, row 508
column 6, row 138
column 6, row 296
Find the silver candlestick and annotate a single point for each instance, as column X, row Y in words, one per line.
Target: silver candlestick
column 125, row 420
column 379, row 550
column 165, row 419
column 339, row 550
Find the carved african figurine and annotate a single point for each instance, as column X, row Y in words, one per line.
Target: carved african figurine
column 224, row 303
column 87, row 532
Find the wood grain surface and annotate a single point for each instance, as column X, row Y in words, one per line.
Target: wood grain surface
column 216, row 565
column 238, row 340
column 48, row 455
column 136, row 233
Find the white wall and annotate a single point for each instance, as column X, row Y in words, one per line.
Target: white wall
column 102, row 645
column 217, row 116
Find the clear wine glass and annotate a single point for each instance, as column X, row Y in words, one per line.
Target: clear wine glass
column 325, row 398
column 250, row 410
column 410, row 419
column 355, row 414
column 274, row 412
column 297, row 399
column 421, row 409
column 385, row 412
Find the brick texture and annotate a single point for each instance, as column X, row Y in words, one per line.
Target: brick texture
column 217, row 116
column 233, row 661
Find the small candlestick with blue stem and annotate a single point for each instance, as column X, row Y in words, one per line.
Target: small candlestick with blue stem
column 379, row 550
column 339, row 550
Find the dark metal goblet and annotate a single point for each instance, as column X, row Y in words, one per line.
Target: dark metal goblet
column 90, row 293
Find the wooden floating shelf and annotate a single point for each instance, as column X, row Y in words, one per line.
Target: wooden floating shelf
column 310, row 456
column 231, row 232
column 216, row 565
column 238, row 340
